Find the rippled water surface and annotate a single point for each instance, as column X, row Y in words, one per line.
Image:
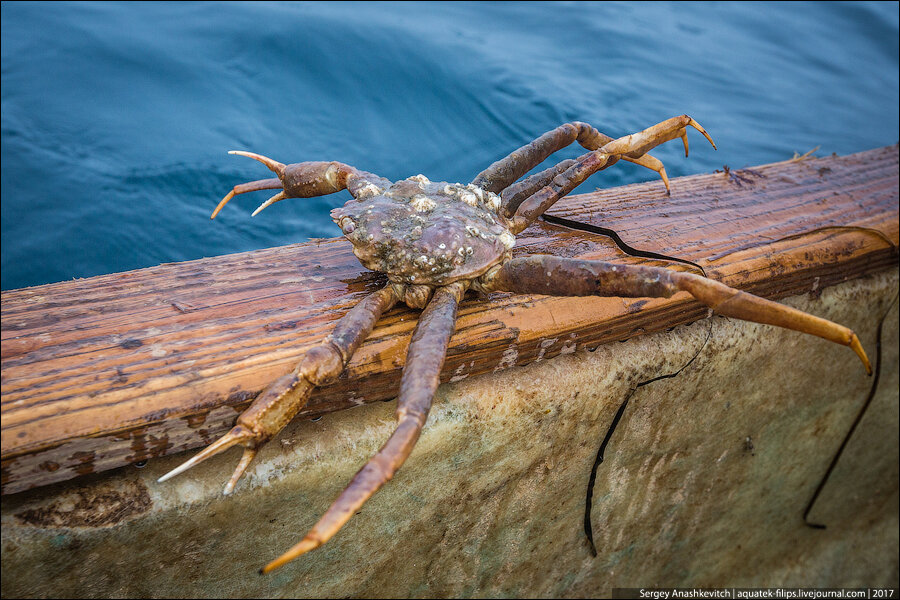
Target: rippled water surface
column 116, row 117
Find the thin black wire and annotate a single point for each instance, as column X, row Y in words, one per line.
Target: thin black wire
column 630, row 250
column 588, row 529
column 856, row 421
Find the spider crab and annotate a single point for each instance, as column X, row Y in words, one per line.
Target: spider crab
column 436, row 240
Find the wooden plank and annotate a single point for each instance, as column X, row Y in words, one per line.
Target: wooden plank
column 110, row 370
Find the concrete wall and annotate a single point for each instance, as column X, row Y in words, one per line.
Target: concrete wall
column 704, row 483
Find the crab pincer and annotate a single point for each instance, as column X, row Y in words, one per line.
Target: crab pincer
column 298, row 180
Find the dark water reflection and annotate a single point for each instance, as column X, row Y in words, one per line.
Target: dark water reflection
column 116, row 116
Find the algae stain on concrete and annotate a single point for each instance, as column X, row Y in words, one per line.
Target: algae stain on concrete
column 104, row 504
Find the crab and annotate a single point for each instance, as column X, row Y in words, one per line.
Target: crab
column 435, row 241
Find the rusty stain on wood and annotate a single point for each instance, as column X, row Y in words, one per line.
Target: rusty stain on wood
column 102, row 372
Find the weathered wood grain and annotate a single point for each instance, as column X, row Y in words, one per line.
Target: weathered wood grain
column 102, row 372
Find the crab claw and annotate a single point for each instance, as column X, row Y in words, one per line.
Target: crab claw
column 274, row 166
column 279, row 196
column 638, row 144
column 697, row 126
column 253, row 186
column 237, row 435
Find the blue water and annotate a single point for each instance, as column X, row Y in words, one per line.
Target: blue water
column 116, row 117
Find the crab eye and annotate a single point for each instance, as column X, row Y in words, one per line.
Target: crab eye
column 347, row 225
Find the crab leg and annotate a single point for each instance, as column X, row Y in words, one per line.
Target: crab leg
column 517, row 193
column 420, row 379
column 287, row 395
column 514, row 195
column 505, row 171
column 628, row 147
column 302, row 180
column 243, row 188
column 558, row 276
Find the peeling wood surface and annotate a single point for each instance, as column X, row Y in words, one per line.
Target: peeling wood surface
column 115, row 369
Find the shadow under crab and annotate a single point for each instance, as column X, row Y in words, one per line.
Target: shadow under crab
column 435, row 241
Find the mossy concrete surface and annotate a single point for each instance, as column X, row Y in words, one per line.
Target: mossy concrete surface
column 704, row 482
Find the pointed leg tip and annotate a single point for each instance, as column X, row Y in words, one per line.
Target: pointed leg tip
column 222, row 204
column 237, row 435
column 246, row 459
column 273, row 165
column 276, row 198
column 178, row 470
column 665, row 180
column 699, row 128
column 308, row 543
column 861, row 353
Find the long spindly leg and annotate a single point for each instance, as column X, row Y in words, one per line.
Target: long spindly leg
column 507, row 170
column 283, row 399
column 302, row 180
column 558, row 276
column 517, row 193
column 420, row 379
column 629, row 147
column 514, row 195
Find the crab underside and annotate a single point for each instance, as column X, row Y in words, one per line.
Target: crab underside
column 436, row 240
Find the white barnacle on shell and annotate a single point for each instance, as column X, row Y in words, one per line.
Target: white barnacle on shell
column 507, row 239
column 420, row 178
column 347, row 225
column 370, row 189
column 493, row 201
column 472, row 231
column 486, row 216
column 477, row 191
column 468, row 197
column 422, row 203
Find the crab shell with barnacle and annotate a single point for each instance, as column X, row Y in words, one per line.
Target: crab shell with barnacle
column 436, row 240
column 424, row 235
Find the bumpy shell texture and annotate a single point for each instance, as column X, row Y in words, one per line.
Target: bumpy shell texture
column 424, row 233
